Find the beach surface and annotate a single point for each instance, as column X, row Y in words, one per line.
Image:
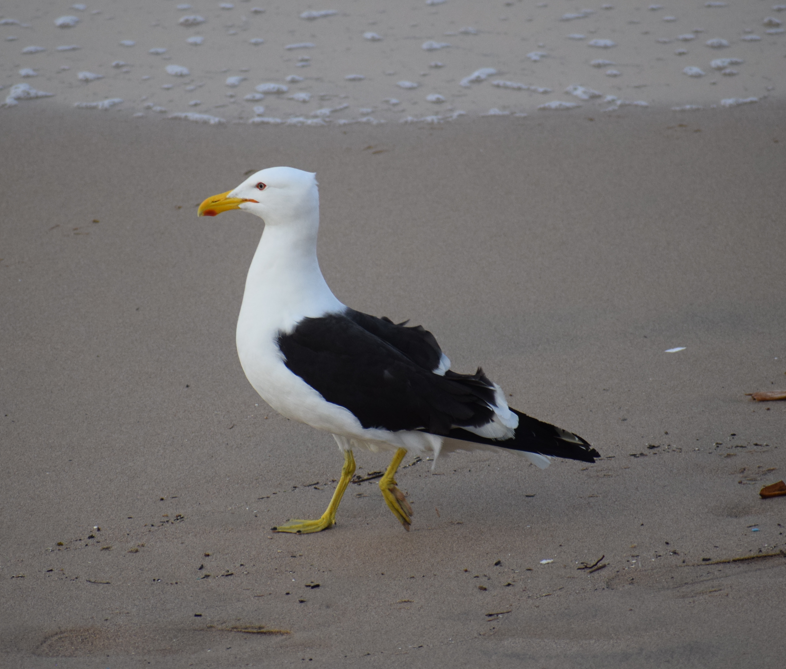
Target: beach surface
column 619, row 274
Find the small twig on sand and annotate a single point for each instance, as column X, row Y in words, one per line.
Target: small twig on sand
column 585, row 565
column 744, row 558
column 498, row 613
column 248, row 629
column 370, row 477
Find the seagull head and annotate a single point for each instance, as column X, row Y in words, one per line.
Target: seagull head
column 277, row 195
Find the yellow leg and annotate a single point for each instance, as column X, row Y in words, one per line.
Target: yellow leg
column 394, row 498
column 328, row 518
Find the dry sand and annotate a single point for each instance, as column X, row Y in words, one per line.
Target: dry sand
column 564, row 253
column 564, row 257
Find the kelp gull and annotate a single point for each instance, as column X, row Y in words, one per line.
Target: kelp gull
column 371, row 383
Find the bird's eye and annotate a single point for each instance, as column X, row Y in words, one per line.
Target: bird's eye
column 261, row 186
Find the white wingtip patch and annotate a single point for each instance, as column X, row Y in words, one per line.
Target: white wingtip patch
column 540, row 461
column 444, row 365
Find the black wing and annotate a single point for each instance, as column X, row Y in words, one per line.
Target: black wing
column 535, row 436
column 383, row 387
column 381, row 372
column 415, row 342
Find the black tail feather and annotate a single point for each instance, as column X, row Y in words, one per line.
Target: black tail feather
column 535, row 436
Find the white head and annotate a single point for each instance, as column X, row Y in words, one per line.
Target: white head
column 278, row 195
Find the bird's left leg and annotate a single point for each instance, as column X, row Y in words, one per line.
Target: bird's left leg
column 328, row 519
column 394, row 498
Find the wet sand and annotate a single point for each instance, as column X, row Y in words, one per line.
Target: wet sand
column 377, row 62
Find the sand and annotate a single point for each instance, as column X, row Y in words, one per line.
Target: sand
column 566, row 253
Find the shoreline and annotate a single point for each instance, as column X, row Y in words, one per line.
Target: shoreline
column 418, row 60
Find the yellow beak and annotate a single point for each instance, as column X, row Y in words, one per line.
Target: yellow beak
column 213, row 206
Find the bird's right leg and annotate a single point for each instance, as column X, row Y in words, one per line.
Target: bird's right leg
column 394, row 498
column 328, row 518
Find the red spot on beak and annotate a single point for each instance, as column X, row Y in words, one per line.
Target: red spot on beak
column 209, row 212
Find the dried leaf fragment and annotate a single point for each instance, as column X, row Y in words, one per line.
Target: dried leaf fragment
column 774, row 490
column 768, row 396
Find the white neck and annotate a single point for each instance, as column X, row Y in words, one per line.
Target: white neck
column 284, row 283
